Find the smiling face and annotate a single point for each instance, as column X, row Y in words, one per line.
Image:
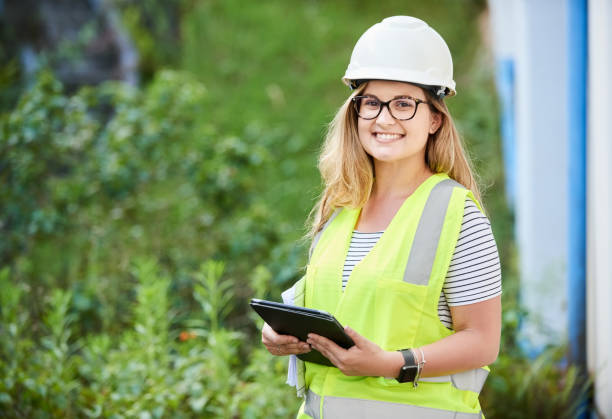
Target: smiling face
column 389, row 140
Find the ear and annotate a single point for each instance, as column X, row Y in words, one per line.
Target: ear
column 435, row 121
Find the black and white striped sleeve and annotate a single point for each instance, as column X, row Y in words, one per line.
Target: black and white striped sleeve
column 474, row 273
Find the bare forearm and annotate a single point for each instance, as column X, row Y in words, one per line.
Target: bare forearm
column 475, row 344
column 461, row 351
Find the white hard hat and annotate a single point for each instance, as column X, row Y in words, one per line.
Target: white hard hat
column 402, row 48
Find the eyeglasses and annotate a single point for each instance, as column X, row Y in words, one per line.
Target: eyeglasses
column 401, row 108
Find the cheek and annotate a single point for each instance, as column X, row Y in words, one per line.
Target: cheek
column 419, row 130
column 365, row 140
column 363, row 129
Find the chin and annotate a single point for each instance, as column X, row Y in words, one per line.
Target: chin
column 386, row 158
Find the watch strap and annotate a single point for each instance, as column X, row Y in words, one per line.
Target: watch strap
column 409, row 370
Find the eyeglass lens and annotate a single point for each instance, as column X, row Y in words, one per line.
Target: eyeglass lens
column 370, row 107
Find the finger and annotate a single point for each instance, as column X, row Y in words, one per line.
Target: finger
column 328, row 354
column 299, row 351
column 269, row 336
column 327, row 347
column 359, row 340
column 305, row 350
column 275, row 350
column 267, row 333
column 290, row 349
column 321, row 341
column 332, row 356
column 295, row 347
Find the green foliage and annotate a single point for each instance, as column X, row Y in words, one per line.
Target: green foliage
column 36, row 372
column 540, row 388
column 213, row 295
column 153, row 26
column 44, row 135
column 113, row 173
column 147, row 371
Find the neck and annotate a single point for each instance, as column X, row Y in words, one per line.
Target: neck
column 398, row 179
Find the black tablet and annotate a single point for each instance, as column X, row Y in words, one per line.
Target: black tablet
column 299, row 321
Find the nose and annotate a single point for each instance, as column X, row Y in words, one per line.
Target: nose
column 385, row 117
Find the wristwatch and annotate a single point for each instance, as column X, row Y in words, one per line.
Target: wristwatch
column 410, row 368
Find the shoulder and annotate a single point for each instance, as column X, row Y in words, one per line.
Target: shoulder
column 474, row 273
column 473, row 213
column 475, row 227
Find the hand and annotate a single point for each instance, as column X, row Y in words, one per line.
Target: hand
column 280, row 345
column 365, row 358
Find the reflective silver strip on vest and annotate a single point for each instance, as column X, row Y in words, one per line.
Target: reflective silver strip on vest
column 344, row 407
column 471, row 380
column 312, row 404
column 425, row 243
column 318, row 235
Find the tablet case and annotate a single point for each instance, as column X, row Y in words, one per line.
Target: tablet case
column 299, row 321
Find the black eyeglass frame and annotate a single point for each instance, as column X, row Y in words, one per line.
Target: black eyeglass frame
column 383, row 104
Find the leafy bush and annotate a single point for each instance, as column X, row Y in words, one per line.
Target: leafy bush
column 536, row 388
column 110, row 176
column 155, row 368
column 113, row 173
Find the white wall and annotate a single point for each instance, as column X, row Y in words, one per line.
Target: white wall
column 599, row 204
column 537, row 32
column 533, row 35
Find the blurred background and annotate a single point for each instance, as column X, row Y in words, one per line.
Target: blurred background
column 158, row 164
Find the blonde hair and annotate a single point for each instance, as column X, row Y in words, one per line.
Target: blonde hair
column 347, row 170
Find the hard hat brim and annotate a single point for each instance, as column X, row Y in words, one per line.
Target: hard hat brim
column 400, row 75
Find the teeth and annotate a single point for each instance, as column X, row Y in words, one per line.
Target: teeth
column 388, row 136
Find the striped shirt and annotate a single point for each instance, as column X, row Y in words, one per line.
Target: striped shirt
column 474, row 273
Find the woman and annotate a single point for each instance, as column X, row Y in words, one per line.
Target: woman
column 402, row 253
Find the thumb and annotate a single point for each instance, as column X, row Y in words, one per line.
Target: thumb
column 357, row 338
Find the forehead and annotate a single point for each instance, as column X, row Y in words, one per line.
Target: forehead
column 385, row 90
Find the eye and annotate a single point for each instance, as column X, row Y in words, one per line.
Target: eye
column 370, row 102
column 404, row 103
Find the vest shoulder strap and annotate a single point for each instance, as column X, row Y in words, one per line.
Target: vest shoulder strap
column 427, row 236
column 320, row 232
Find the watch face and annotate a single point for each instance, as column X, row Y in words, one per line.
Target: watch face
column 407, row 373
column 409, row 370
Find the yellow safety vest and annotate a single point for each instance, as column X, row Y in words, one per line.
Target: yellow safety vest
column 391, row 298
